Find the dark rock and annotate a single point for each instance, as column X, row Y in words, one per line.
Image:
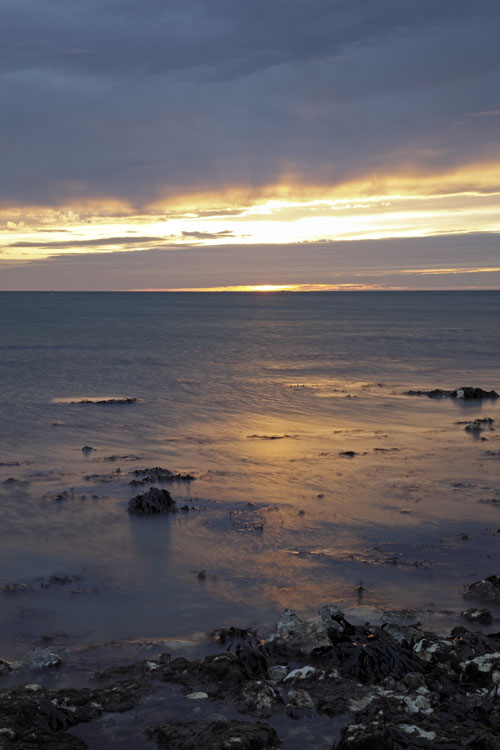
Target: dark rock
column 87, row 449
column 5, row 667
column 12, row 482
column 234, row 635
column 219, row 672
column 467, row 393
column 37, row 717
column 16, row 588
column 157, row 474
column 215, row 735
column 488, row 589
column 106, row 401
column 476, row 427
column 154, row 502
column 481, row 616
column 348, row 454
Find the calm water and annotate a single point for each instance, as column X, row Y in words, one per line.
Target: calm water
column 257, row 395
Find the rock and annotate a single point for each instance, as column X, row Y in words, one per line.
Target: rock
column 300, row 674
column 479, row 425
column 299, row 698
column 5, row 667
column 348, row 454
column 15, row 588
column 12, row 482
column 198, row 696
column 488, row 589
column 44, row 658
column 481, row 616
column 467, row 393
column 154, row 502
column 257, row 697
column 105, row 401
column 216, row 735
column 278, row 673
column 87, row 449
column 157, row 474
column 308, row 636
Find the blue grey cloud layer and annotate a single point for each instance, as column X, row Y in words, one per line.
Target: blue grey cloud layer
column 135, row 99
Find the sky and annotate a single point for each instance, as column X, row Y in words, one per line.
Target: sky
column 228, row 144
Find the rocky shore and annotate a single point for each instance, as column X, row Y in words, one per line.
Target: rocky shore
column 388, row 686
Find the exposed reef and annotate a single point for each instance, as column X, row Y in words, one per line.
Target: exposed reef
column 467, row 393
column 158, row 474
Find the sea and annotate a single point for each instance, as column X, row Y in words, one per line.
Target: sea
column 316, row 478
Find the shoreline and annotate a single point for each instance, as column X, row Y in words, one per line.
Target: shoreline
column 386, row 685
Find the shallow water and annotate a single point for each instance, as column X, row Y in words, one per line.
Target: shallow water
column 257, row 396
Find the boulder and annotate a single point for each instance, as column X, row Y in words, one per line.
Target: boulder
column 488, row 589
column 153, row 502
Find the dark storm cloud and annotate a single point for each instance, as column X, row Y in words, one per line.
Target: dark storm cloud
column 138, row 98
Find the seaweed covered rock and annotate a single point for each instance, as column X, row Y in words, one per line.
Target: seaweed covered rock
column 154, row 502
column 158, row 474
column 215, row 735
column 218, row 673
column 467, row 393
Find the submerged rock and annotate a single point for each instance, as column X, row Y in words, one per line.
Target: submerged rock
column 467, row 393
column 153, row 502
column 488, row 589
column 479, row 425
column 157, row 474
column 105, row 401
column 215, row 735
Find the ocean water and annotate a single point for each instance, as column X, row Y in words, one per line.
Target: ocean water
column 257, row 395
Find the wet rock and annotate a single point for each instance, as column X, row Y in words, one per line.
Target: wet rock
column 44, row 658
column 218, row 673
column 199, row 696
column 157, row 474
column 479, row 616
column 278, row 673
column 5, row 667
column 105, row 401
column 87, row 449
column 306, row 637
column 154, row 502
column 12, row 482
column 256, row 697
column 232, row 634
column 103, row 478
column 16, row 588
column 37, row 717
column 216, row 735
column 348, row 454
column 467, row 393
column 488, row 589
column 479, row 425
column 299, row 698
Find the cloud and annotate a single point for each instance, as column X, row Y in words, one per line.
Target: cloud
column 424, row 263
column 142, row 100
column 100, row 242
column 209, row 235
